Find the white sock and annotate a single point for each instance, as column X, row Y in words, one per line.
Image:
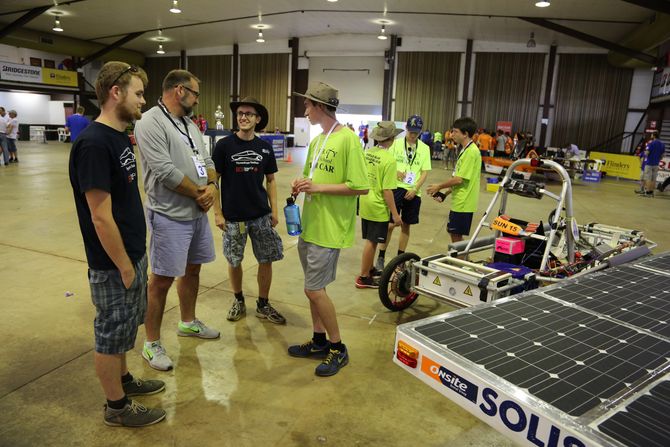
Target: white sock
column 188, row 323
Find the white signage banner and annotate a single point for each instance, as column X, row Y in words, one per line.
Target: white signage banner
column 21, row 73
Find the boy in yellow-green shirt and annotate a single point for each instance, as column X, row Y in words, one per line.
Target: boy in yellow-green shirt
column 413, row 160
column 334, row 175
column 375, row 206
column 464, row 183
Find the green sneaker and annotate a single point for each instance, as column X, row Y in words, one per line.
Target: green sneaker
column 196, row 329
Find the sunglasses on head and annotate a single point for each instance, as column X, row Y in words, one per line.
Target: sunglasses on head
column 130, row 68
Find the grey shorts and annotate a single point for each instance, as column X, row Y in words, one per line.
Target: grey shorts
column 318, row 263
column 118, row 311
column 265, row 241
column 174, row 244
column 649, row 174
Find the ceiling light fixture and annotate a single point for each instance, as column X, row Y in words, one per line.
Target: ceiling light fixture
column 382, row 34
column 531, row 41
column 175, row 7
column 332, row 1
column 160, row 49
column 543, row 3
column 57, row 26
column 260, row 38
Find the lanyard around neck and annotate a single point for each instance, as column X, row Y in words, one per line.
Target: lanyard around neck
column 315, row 160
column 410, row 161
column 187, row 134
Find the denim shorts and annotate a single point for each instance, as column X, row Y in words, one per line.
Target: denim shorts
column 174, row 243
column 118, row 311
column 318, row 263
column 265, row 241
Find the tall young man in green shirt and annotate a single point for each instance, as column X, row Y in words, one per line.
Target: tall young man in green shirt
column 375, row 207
column 413, row 159
column 464, row 183
column 333, row 176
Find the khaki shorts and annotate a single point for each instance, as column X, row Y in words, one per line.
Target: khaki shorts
column 650, row 173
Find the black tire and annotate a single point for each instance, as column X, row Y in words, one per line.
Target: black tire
column 394, row 285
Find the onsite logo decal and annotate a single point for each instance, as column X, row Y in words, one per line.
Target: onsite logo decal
column 449, row 379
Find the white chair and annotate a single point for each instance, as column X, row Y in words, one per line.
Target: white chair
column 63, row 134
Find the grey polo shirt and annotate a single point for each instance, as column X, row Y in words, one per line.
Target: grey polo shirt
column 166, row 157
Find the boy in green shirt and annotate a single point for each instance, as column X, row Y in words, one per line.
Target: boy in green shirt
column 334, row 175
column 413, row 160
column 464, row 183
column 376, row 205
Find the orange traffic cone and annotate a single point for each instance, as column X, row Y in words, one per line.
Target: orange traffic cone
column 288, row 158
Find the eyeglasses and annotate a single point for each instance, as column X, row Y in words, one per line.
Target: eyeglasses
column 246, row 114
column 130, row 68
column 193, row 92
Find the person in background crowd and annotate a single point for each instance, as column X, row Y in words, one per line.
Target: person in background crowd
column 76, row 122
column 12, row 133
column 4, row 147
column 501, row 142
column 655, row 151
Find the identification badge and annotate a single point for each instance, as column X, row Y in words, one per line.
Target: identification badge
column 242, row 227
column 410, row 177
column 199, row 166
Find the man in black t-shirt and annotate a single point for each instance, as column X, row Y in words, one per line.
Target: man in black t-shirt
column 103, row 175
column 242, row 162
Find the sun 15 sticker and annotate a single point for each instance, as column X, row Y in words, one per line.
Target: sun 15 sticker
column 449, row 379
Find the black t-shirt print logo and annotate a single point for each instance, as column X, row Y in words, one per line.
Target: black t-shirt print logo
column 127, row 159
column 247, row 158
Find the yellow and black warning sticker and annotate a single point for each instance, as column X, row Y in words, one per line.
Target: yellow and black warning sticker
column 468, row 291
column 437, row 281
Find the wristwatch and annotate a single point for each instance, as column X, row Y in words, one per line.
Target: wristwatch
column 216, row 185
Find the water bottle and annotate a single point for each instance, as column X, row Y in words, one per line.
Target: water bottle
column 292, row 214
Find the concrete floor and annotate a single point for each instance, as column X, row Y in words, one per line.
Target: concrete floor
column 242, row 389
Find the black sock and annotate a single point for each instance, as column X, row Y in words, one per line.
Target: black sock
column 319, row 338
column 117, row 404
column 127, row 378
column 400, row 252
column 337, row 346
column 239, row 297
column 262, row 302
column 382, row 254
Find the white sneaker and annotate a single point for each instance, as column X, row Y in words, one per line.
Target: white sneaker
column 155, row 354
column 196, row 329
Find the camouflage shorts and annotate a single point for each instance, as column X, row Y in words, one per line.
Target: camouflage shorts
column 265, row 241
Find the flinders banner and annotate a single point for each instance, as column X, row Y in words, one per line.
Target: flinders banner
column 37, row 75
column 618, row 165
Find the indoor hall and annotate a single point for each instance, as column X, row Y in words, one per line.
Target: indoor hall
column 242, row 389
column 504, row 63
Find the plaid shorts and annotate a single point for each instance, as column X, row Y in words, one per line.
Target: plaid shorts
column 119, row 311
column 265, row 241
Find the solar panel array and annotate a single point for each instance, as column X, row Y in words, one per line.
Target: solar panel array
column 578, row 344
column 565, row 356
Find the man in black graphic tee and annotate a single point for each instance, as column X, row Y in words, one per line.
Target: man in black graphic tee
column 243, row 161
